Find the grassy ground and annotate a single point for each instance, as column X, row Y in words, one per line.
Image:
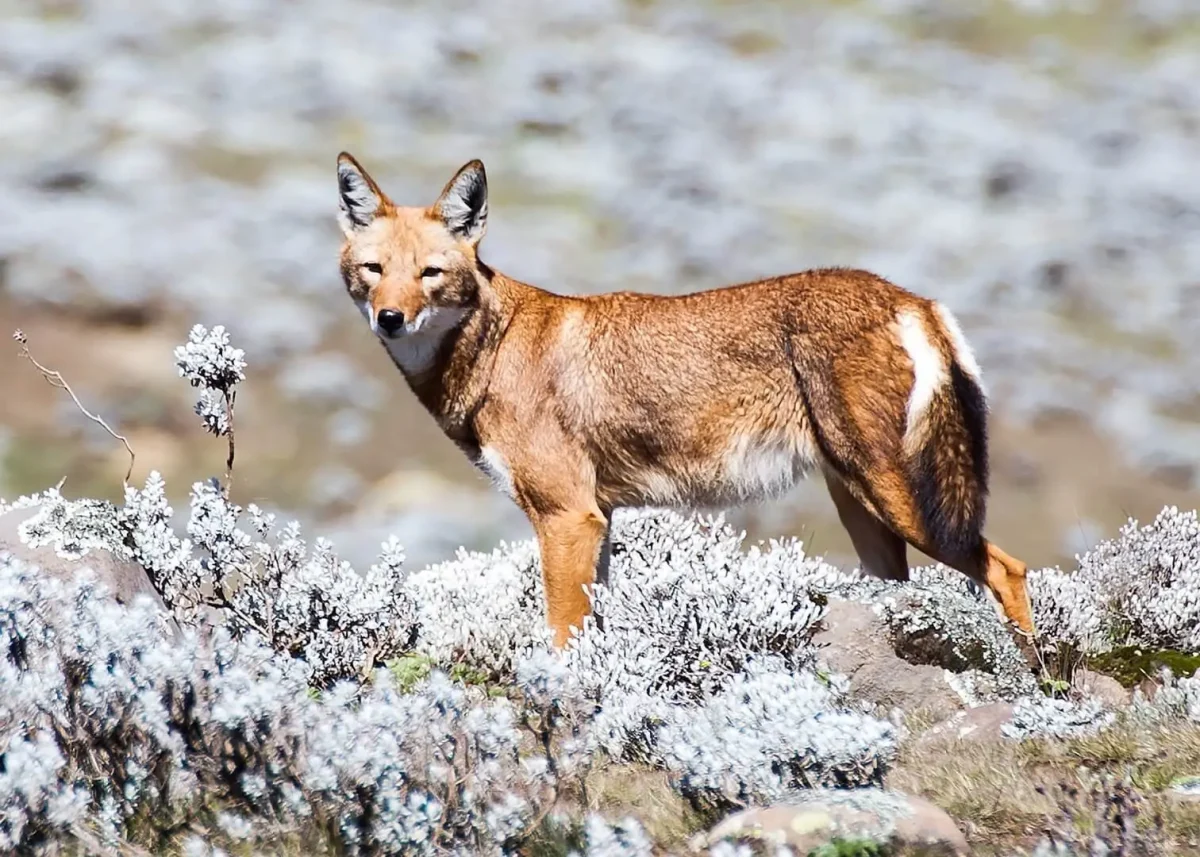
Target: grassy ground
column 1006, row 794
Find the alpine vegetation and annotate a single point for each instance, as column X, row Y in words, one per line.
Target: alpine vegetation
column 107, row 725
column 263, row 710
column 1145, row 585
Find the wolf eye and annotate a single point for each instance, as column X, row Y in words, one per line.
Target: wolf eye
column 373, row 267
column 431, row 272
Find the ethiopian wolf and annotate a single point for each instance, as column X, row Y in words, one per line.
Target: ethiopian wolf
column 576, row 406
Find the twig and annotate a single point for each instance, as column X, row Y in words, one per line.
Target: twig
column 229, row 399
column 55, row 379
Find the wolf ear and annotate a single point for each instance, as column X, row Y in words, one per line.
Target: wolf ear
column 463, row 205
column 360, row 199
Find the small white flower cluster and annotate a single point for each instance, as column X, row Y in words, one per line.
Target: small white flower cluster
column 1140, row 589
column 102, row 721
column 209, row 362
column 1044, row 717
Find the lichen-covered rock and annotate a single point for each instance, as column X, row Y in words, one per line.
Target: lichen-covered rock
column 982, row 723
column 812, row 819
column 938, row 617
column 1111, row 693
column 854, row 641
column 28, row 534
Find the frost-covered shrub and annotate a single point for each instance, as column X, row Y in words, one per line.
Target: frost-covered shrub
column 104, row 721
column 1148, row 580
column 624, row 838
column 481, row 608
column 938, row 617
column 685, row 607
column 1044, row 717
column 770, row 731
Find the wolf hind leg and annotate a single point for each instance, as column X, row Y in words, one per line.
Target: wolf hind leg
column 881, row 552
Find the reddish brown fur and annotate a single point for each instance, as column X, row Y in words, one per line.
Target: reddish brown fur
column 699, row 400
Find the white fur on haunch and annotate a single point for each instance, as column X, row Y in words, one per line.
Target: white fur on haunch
column 963, row 354
column 929, row 371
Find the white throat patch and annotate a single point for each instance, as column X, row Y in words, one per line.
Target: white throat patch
column 415, row 349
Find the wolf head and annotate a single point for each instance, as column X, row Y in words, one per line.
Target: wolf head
column 412, row 271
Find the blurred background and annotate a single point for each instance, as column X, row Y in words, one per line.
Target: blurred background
column 1035, row 164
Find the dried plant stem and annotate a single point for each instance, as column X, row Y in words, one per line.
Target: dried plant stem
column 55, row 379
column 229, row 400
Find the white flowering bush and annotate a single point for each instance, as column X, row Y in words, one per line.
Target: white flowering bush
column 1177, row 698
column 303, row 600
column 1146, row 583
column 1045, row 717
column 104, row 722
column 484, row 609
column 771, row 731
column 686, row 614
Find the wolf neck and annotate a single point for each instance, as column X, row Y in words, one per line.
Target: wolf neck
column 448, row 364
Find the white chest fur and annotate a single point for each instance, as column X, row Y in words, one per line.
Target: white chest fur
column 492, row 462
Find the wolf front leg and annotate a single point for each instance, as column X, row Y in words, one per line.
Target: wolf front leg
column 571, row 542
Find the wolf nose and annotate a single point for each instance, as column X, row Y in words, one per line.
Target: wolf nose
column 390, row 321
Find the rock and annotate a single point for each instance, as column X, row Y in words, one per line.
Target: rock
column 125, row 579
column 812, row 819
column 981, row 723
column 855, row 642
column 1185, row 789
column 1105, row 688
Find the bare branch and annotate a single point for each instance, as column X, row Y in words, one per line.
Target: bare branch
column 55, row 379
column 229, row 399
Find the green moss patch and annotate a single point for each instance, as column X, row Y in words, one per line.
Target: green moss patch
column 1130, row 665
